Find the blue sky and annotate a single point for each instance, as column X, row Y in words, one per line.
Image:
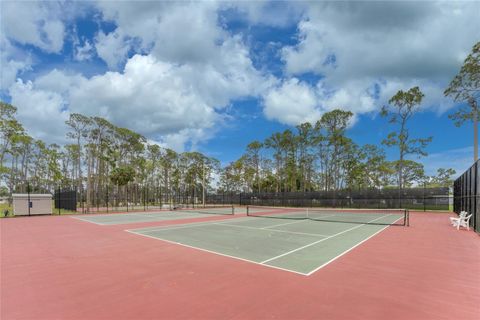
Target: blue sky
column 214, row 76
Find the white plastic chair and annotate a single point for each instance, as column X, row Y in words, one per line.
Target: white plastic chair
column 462, row 215
column 462, row 222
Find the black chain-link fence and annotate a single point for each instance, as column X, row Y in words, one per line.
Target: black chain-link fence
column 411, row 198
column 136, row 197
column 466, row 191
column 65, row 199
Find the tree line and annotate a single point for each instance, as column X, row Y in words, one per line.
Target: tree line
column 321, row 156
column 316, row 156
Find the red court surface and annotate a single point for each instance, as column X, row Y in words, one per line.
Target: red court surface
column 62, row 268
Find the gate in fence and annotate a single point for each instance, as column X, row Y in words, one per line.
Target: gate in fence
column 66, row 199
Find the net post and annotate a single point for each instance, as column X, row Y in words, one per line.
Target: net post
column 407, row 218
column 248, row 210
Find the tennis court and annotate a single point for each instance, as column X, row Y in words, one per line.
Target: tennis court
column 182, row 213
column 295, row 240
column 56, row 267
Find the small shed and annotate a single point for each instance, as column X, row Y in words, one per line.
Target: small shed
column 31, row 204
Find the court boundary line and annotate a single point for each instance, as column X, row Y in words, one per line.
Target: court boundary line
column 321, row 240
column 214, row 252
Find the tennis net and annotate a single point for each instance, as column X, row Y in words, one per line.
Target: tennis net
column 207, row 209
column 361, row 216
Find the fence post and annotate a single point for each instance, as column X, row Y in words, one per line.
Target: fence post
column 161, row 197
column 28, row 197
column 424, row 189
column 59, row 200
column 107, row 197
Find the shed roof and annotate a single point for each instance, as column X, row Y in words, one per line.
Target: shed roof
column 32, row 195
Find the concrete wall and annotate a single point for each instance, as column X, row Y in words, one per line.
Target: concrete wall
column 40, row 204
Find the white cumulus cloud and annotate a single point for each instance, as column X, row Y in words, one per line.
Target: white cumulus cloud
column 293, row 102
column 34, row 22
column 365, row 52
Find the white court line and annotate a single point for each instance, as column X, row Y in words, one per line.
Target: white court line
column 348, row 250
column 263, row 229
column 321, row 240
column 83, row 219
column 217, row 253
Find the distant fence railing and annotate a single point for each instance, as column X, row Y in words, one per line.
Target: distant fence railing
column 466, row 192
column 411, row 198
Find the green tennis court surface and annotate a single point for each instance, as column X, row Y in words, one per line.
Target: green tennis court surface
column 134, row 217
column 300, row 246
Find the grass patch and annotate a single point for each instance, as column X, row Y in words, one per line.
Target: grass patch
column 3, row 207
